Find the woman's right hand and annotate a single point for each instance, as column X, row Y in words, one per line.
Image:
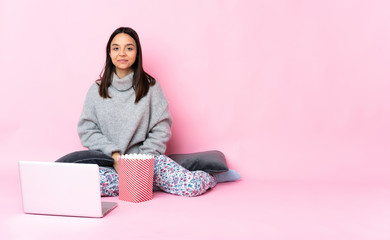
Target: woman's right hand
column 116, row 156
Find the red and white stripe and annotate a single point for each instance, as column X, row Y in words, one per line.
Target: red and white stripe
column 136, row 178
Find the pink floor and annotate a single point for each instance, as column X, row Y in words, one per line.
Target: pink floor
column 248, row 209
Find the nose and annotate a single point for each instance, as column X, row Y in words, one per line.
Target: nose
column 122, row 52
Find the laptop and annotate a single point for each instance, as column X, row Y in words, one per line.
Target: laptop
column 64, row 189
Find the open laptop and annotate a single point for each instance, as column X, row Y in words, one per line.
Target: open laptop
column 66, row 189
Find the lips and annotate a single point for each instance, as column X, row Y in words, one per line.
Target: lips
column 122, row 61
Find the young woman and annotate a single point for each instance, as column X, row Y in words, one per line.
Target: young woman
column 125, row 112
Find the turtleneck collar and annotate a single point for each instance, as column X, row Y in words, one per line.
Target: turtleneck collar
column 124, row 83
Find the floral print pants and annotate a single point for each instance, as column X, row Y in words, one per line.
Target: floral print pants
column 168, row 176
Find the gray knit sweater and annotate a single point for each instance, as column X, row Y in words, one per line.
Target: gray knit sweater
column 118, row 124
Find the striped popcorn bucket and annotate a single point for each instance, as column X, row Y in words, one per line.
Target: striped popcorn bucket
column 136, row 177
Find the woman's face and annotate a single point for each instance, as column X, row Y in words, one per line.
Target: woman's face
column 123, row 53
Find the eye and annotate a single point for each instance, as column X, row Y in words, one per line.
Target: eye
column 115, row 49
column 129, row 48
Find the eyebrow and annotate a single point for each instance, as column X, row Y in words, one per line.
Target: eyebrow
column 129, row 44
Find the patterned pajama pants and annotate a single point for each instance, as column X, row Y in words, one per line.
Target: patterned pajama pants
column 168, row 176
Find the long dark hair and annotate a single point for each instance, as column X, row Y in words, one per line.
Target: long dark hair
column 141, row 80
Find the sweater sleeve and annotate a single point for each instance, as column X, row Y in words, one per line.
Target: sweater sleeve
column 160, row 128
column 88, row 128
column 158, row 136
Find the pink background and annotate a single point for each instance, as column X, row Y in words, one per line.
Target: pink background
column 288, row 90
column 294, row 92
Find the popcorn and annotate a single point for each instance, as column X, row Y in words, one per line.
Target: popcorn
column 136, row 177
